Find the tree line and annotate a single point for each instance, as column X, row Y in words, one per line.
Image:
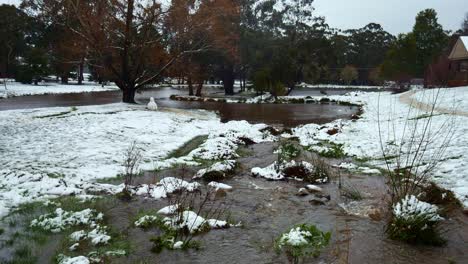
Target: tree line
column 267, row 44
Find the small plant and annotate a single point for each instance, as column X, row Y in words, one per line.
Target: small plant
column 288, row 151
column 131, row 165
column 351, row 192
column 302, row 241
column 335, row 151
column 415, row 222
column 321, row 169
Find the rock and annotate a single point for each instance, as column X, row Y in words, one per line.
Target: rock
column 302, row 192
column 375, row 214
column 152, row 105
column 314, row 188
column 316, row 201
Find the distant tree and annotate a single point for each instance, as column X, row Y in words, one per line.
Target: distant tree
column 33, row 66
column 430, row 39
column 15, row 27
column 375, row 76
column 400, row 61
column 464, row 25
column 366, row 47
column 349, row 74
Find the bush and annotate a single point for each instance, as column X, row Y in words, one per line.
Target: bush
column 415, row 222
column 288, row 151
column 302, row 241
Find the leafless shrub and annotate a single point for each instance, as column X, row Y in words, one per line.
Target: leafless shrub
column 413, row 149
column 131, row 164
column 204, row 202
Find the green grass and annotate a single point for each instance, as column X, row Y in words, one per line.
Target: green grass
column 334, row 150
column 185, row 149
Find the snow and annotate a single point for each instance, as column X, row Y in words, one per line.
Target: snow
column 361, row 139
column 60, row 219
column 169, row 210
column 314, row 188
column 192, row 222
column 295, row 237
column 338, row 86
column 219, row 186
column 178, row 245
column 56, row 151
column 464, row 39
column 224, row 167
column 146, row 220
column 19, row 89
column 410, row 208
column 99, row 236
column 152, row 105
column 75, row 260
column 166, row 186
column 187, row 219
column 274, row 171
column 270, row 172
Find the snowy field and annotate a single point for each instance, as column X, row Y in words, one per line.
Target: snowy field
column 55, row 151
column 361, row 138
column 18, row 89
column 58, row 151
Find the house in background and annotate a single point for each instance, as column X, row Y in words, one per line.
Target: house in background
column 458, row 67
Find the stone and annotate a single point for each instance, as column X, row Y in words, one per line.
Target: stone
column 375, row 214
column 316, row 201
column 302, row 192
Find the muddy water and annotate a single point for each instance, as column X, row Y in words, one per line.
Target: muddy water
column 268, row 208
column 273, row 114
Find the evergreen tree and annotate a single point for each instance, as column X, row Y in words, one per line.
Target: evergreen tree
column 430, row 39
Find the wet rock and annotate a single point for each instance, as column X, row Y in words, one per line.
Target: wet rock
column 302, row 192
column 332, row 131
column 326, row 197
column 317, row 201
column 375, row 214
column 247, row 141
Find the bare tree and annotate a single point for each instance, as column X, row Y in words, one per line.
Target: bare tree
column 136, row 41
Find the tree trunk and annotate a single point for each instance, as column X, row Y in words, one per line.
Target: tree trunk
column 199, row 88
column 228, row 80
column 190, row 86
column 128, row 95
column 64, row 79
column 80, row 72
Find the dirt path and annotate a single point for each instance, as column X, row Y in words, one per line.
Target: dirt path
column 406, row 98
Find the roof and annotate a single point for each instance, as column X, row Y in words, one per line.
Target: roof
column 460, row 50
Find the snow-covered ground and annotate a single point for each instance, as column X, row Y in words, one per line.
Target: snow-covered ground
column 361, row 138
column 60, row 151
column 19, row 89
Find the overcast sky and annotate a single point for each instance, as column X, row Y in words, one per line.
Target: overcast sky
column 396, row 16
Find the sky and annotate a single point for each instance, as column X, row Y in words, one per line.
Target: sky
column 396, row 16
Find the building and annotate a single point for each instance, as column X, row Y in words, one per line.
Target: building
column 458, row 57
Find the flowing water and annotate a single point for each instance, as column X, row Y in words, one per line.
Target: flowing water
column 273, row 114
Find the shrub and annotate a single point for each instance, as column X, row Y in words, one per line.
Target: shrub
column 334, row 151
column 415, row 222
column 302, row 241
column 288, row 151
